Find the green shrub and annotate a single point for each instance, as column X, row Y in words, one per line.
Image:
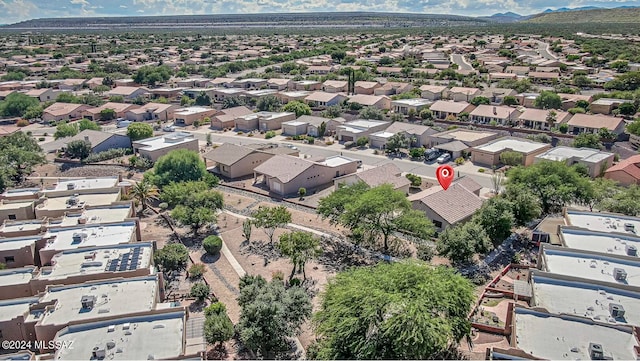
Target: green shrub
column 212, row 245
column 22, row 123
column 481, row 170
column 425, row 252
column 459, row 161
column 163, row 205
column 270, row 134
column 108, row 154
column 200, row 291
column 311, row 140
column 196, row 271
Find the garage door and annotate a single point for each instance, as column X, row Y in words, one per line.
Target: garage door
column 347, row 138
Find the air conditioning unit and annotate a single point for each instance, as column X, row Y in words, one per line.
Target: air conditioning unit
column 595, row 351
column 632, row 250
column 98, row 353
column 629, row 227
column 88, row 301
column 71, row 186
column 616, row 310
column 619, row 274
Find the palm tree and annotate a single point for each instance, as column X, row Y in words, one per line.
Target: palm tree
column 143, row 191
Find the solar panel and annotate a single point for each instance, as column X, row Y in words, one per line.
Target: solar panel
column 113, row 266
column 133, row 266
column 123, row 266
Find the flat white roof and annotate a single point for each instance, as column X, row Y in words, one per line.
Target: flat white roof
column 412, row 102
column 7, row 244
column 16, row 276
column 84, row 183
column 294, row 123
column 10, row 309
column 89, row 236
column 97, row 199
column 155, row 336
column 260, row 92
column 602, row 222
column 192, row 110
column 599, row 241
column 165, row 141
column 383, row 134
column 112, row 298
column 336, row 161
column 567, row 338
column 17, row 226
column 114, row 259
column 562, row 153
column 597, row 267
column 117, row 213
column 297, row 93
column 365, row 123
column 585, row 299
column 514, row 144
column 20, row 192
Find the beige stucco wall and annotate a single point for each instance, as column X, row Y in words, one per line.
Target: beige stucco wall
column 22, row 256
column 429, row 213
column 154, row 155
column 21, row 213
column 245, row 166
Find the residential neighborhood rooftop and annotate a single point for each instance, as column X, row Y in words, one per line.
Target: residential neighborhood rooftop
column 16, row 276
column 154, row 336
column 89, row 236
column 115, row 297
column 514, row 144
column 562, row 153
column 164, row 141
column 603, row 242
column 10, row 309
column 603, row 222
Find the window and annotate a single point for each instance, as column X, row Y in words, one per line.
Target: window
column 12, row 216
column 9, row 259
column 438, row 224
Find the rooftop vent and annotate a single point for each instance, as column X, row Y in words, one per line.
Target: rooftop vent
column 88, row 301
column 71, row 186
column 111, row 328
column 616, row 310
column 629, row 227
column 631, row 250
column 595, row 351
column 619, row 274
column 73, row 200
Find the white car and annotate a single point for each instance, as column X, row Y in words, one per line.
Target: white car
column 124, row 123
column 445, row 158
column 169, row 128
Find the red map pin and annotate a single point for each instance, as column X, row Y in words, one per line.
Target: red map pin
column 444, row 173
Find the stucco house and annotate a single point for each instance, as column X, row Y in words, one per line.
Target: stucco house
column 235, row 161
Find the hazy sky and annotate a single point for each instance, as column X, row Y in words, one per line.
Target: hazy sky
column 12, row 11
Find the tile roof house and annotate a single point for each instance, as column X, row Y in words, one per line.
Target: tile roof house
column 462, row 94
column 626, row 172
column 226, row 118
column 366, row 87
column 448, row 109
column 489, row 154
column 262, row 121
column 587, row 123
column 388, row 173
column 63, row 111
column 152, row 112
column 308, row 125
column 594, row 161
column 100, row 141
column 432, row 92
column 378, row 101
column 334, row 86
column 235, row 161
column 44, row 94
column 393, row 88
column 284, row 175
column 278, row 83
column 119, row 108
column 447, row 208
column 485, row 114
column 537, row 118
column 416, row 132
column 324, row 99
column 129, row 93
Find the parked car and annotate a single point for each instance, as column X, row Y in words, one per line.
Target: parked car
column 290, row 146
column 445, row 158
column 124, row 123
column 431, row 154
column 169, row 128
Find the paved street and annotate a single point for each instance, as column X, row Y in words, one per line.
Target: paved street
column 543, row 49
column 461, row 62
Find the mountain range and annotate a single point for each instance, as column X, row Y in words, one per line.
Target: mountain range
column 511, row 17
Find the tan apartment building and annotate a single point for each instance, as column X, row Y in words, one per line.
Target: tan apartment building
column 24, row 228
column 94, row 301
column 17, row 210
column 235, row 161
column 88, row 264
column 16, row 282
column 17, row 319
column 284, row 175
column 489, row 154
column 156, row 147
column 17, row 252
